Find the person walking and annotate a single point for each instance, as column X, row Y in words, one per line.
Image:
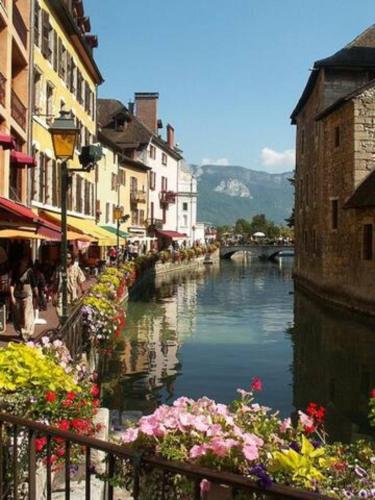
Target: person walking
column 23, row 295
column 75, row 280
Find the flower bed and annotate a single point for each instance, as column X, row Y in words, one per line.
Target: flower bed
column 253, row 441
column 40, row 382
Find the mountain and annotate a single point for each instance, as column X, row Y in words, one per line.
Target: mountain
column 227, row 193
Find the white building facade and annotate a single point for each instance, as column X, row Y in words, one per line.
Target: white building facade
column 187, row 203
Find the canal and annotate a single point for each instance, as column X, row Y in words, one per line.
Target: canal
column 209, row 332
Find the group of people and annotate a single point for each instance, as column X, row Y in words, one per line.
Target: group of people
column 26, row 287
column 129, row 252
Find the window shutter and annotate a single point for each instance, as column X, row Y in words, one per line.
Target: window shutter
column 37, row 24
column 45, row 33
column 68, row 69
column 55, row 51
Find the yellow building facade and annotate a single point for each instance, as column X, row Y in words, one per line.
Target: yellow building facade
column 65, row 79
column 134, row 196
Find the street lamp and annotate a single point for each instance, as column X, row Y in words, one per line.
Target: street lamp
column 64, row 137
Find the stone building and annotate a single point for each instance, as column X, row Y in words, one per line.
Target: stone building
column 335, row 183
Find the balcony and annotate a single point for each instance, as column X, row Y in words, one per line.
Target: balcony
column 18, row 110
column 137, row 196
column 19, row 25
column 3, row 81
column 167, row 197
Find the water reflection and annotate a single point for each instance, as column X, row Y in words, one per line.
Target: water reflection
column 209, row 332
column 334, row 364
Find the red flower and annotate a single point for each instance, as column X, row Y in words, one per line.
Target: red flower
column 50, row 397
column 309, row 429
column 60, row 452
column 316, row 412
column 63, row 425
column 80, row 425
column 256, row 384
column 95, row 391
column 67, row 403
column 70, row 396
column 40, row 444
column 372, row 395
column 339, row 466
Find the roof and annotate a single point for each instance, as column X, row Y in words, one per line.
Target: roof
column 135, row 135
column 364, row 195
column 342, row 100
column 77, row 39
column 125, row 161
column 173, row 235
column 360, row 53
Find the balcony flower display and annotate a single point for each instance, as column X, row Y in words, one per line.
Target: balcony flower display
column 251, row 440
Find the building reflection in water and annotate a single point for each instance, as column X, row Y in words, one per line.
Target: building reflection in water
column 334, row 365
column 141, row 373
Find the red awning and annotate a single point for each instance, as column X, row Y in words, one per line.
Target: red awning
column 172, row 235
column 22, row 212
column 20, row 159
column 48, row 229
column 7, row 142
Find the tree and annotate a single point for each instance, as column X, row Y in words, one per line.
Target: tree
column 242, row 226
column 290, row 220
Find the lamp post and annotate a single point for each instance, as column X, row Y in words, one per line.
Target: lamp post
column 64, row 136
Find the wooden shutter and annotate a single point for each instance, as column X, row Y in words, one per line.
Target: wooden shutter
column 55, row 51
column 37, row 24
column 45, row 33
column 41, row 178
column 68, row 69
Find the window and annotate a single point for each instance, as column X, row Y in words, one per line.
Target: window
column 79, row 204
column 164, row 159
column 337, row 137
column 134, row 214
column 37, row 92
column 49, row 109
column 152, row 180
column 55, row 186
column 37, row 24
column 334, row 214
column 87, row 197
column 367, row 242
column 133, row 184
column 73, row 75
column 41, row 168
column 185, row 205
column 122, row 174
column 46, row 36
column 114, row 182
column 164, row 184
column 152, row 152
column 141, row 217
column 62, row 60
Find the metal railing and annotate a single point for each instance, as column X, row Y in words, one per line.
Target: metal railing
column 73, row 333
column 18, row 110
column 19, row 25
column 137, row 196
column 144, row 476
column 3, row 82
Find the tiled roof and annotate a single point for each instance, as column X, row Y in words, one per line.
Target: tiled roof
column 360, row 53
column 364, row 195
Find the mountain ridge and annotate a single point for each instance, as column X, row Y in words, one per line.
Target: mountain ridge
column 227, row 193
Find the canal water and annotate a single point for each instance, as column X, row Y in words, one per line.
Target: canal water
column 209, row 332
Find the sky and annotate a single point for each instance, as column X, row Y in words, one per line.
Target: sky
column 229, row 72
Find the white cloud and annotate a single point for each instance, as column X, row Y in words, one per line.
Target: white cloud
column 224, row 162
column 278, row 161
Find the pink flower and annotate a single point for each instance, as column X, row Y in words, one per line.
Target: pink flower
column 250, row 452
column 214, row 430
column 220, row 447
column 130, row 435
column 205, row 486
column 151, row 427
column 252, row 440
column 222, row 409
column 200, row 423
column 243, row 393
column 285, row 425
column 198, row 450
column 256, row 384
column 305, row 420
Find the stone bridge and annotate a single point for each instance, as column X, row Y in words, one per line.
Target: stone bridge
column 262, row 251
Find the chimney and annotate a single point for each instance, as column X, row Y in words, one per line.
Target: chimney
column 146, row 109
column 170, row 136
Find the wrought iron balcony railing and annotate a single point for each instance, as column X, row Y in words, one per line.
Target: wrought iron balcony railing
column 167, row 197
column 3, row 82
column 18, row 110
column 145, row 475
column 137, row 196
